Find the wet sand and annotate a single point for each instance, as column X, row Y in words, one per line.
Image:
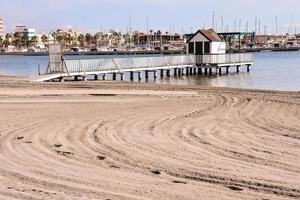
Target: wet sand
column 116, row 140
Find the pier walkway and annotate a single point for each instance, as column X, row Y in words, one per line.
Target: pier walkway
column 178, row 65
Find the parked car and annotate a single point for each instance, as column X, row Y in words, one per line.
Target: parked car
column 94, row 50
column 75, row 49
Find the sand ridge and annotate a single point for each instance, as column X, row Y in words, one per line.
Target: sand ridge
column 142, row 141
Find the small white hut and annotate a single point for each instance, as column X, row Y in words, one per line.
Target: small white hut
column 206, row 42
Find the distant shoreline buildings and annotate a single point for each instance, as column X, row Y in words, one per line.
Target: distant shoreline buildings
column 27, row 39
column 1, row 27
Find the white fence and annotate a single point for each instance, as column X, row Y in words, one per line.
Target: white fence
column 219, row 59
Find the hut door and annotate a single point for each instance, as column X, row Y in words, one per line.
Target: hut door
column 199, row 48
column 206, row 47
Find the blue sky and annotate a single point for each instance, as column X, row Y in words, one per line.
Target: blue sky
column 166, row 15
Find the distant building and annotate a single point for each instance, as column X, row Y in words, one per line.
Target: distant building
column 21, row 29
column 25, row 30
column 31, row 32
column 1, row 27
column 160, row 40
column 205, row 42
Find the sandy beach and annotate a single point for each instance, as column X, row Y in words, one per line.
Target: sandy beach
column 119, row 140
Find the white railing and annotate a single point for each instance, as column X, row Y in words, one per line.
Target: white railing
column 127, row 64
column 230, row 58
column 135, row 63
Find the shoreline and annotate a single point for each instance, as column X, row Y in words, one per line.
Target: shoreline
column 165, row 52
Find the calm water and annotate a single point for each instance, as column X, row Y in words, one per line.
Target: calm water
column 271, row 70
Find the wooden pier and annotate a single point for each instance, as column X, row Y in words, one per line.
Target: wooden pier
column 141, row 66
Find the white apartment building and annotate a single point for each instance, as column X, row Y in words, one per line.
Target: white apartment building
column 1, row 27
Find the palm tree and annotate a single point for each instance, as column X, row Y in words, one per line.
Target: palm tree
column 6, row 41
column 33, row 40
column 1, row 42
column 88, row 38
column 81, row 40
column 44, row 39
column 17, row 39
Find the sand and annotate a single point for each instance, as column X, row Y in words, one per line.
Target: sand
column 116, row 140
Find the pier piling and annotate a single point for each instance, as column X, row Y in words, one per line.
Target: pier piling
column 168, row 73
column 146, row 74
column 248, row 68
column 139, row 76
column 154, row 74
column 199, row 71
column 96, row 77
column 161, row 73
column 179, row 71
column 131, row 76
column 210, row 71
column 238, row 68
column 227, row 69
column 205, row 71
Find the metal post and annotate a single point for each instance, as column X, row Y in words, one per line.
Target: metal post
column 96, row 77
column 238, row 68
column 39, row 69
column 114, row 77
column 175, row 71
column 122, row 76
column 104, row 77
column 220, row 71
column 205, row 71
column 195, row 70
column 227, row 69
column 154, row 74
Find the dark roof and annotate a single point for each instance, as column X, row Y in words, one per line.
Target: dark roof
column 209, row 34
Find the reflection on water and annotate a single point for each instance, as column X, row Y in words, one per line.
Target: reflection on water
column 271, row 70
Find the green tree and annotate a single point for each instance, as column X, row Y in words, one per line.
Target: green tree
column 17, row 39
column 33, row 41
column 88, row 38
column 44, row 39
column 25, row 39
column 1, row 41
column 6, row 41
column 81, row 40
